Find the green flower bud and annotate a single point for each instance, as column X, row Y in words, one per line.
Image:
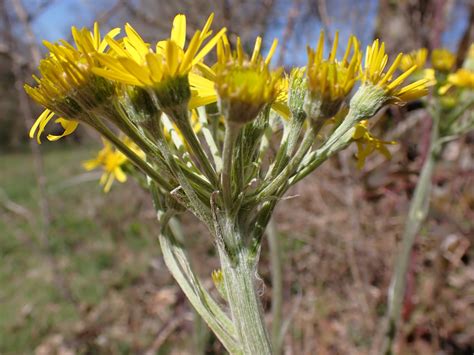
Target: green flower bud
column 297, row 91
column 367, row 100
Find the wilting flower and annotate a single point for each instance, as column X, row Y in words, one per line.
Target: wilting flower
column 167, row 71
column 67, row 85
column 112, row 162
column 245, row 84
column 442, row 59
column 417, row 58
column 367, row 144
column 331, row 80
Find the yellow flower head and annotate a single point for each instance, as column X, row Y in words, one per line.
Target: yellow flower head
column 442, row 59
column 112, row 162
column 168, row 69
column 367, row 144
column 417, row 58
column 331, row 80
column 245, row 84
column 375, row 62
column 67, row 85
column 462, row 78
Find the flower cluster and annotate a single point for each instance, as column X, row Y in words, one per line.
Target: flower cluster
column 148, row 91
column 68, row 87
column 442, row 73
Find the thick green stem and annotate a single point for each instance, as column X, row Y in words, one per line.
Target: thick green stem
column 418, row 211
column 277, row 286
column 177, row 262
column 242, row 295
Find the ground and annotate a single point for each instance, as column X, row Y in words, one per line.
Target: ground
column 97, row 284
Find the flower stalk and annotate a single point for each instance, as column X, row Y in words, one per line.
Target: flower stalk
column 231, row 134
column 419, row 207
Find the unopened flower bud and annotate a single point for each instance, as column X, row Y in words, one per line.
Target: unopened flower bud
column 296, row 92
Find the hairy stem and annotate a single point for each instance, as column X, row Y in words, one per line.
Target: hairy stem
column 277, row 286
column 418, row 211
column 247, row 314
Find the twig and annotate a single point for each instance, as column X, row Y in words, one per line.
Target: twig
column 14, row 207
column 168, row 328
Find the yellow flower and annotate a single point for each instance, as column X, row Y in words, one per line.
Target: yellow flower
column 280, row 105
column 331, row 80
column 442, row 59
column 67, row 85
column 462, row 78
column 375, row 63
column 245, row 84
column 417, row 58
column 133, row 62
column 367, row 144
column 430, row 75
column 112, row 162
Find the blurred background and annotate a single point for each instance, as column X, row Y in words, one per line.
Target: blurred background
column 81, row 271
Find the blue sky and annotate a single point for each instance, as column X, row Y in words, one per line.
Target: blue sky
column 55, row 23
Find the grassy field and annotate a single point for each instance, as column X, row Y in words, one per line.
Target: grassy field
column 95, row 256
column 98, row 285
